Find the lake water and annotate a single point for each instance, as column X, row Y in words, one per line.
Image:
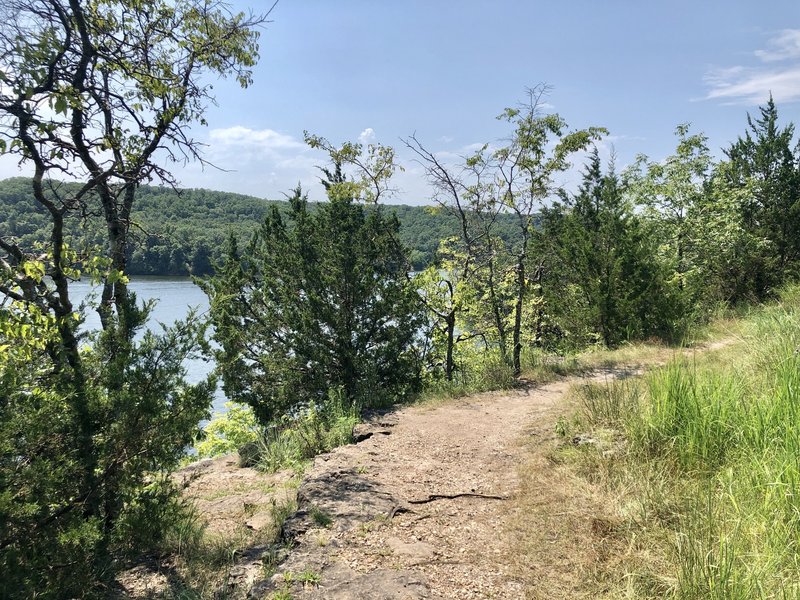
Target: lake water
column 174, row 296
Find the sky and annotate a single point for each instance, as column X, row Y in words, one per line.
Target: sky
column 380, row 71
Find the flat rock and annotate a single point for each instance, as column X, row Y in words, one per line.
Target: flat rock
column 345, row 496
column 412, row 551
column 260, row 520
column 381, row 584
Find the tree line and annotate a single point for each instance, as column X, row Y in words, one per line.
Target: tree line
column 647, row 252
column 182, row 232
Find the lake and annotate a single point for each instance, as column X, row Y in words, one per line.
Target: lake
column 174, row 296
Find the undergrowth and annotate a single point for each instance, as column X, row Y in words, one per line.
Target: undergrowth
column 289, row 443
column 200, row 561
column 486, row 371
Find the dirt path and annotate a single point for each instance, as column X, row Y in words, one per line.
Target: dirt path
column 464, row 499
column 420, row 508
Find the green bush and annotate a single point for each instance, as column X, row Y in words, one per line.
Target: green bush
column 74, row 507
column 228, row 432
column 317, row 429
column 289, row 443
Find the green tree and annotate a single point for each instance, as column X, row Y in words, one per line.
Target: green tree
column 765, row 164
column 524, row 172
column 442, row 291
column 600, row 258
column 446, row 286
column 669, row 191
column 672, row 194
column 512, row 181
column 731, row 254
column 319, row 302
column 468, row 287
column 101, row 91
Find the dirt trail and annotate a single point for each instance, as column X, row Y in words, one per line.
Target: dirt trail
column 464, row 499
column 422, row 506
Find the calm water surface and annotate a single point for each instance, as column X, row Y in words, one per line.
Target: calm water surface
column 174, row 297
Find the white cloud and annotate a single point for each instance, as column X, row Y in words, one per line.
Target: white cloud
column 261, row 162
column 752, row 85
column 778, row 74
column 267, row 139
column 269, row 164
column 784, row 47
column 623, row 138
column 367, row 136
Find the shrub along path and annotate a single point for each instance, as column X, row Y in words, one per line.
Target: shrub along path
column 426, row 504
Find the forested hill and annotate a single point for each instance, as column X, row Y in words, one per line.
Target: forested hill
column 182, row 233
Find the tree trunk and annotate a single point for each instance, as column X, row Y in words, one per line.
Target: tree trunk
column 497, row 314
column 450, row 321
column 521, row 285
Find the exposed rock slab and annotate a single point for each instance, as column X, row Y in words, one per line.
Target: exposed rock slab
column 416, row 508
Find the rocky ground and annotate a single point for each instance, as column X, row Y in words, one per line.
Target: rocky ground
column 423, row 505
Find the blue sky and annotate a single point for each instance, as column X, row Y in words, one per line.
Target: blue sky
column 380, row 71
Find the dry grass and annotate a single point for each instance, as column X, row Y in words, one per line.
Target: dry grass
column 569, row 530
column 563, row 533
column 571, row 527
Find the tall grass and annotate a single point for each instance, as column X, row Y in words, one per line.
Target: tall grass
column 695, row 417
column 289, row 443
column 315, row 430
column 476, row 370
column 713, row 460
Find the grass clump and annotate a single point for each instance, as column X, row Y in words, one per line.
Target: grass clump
column 315, row 430
column 309, row 578
column 477, row 370
column 709, row 481
column 289, row 443
column 320, row 517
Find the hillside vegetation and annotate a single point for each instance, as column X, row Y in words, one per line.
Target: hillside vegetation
column 183, row 231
